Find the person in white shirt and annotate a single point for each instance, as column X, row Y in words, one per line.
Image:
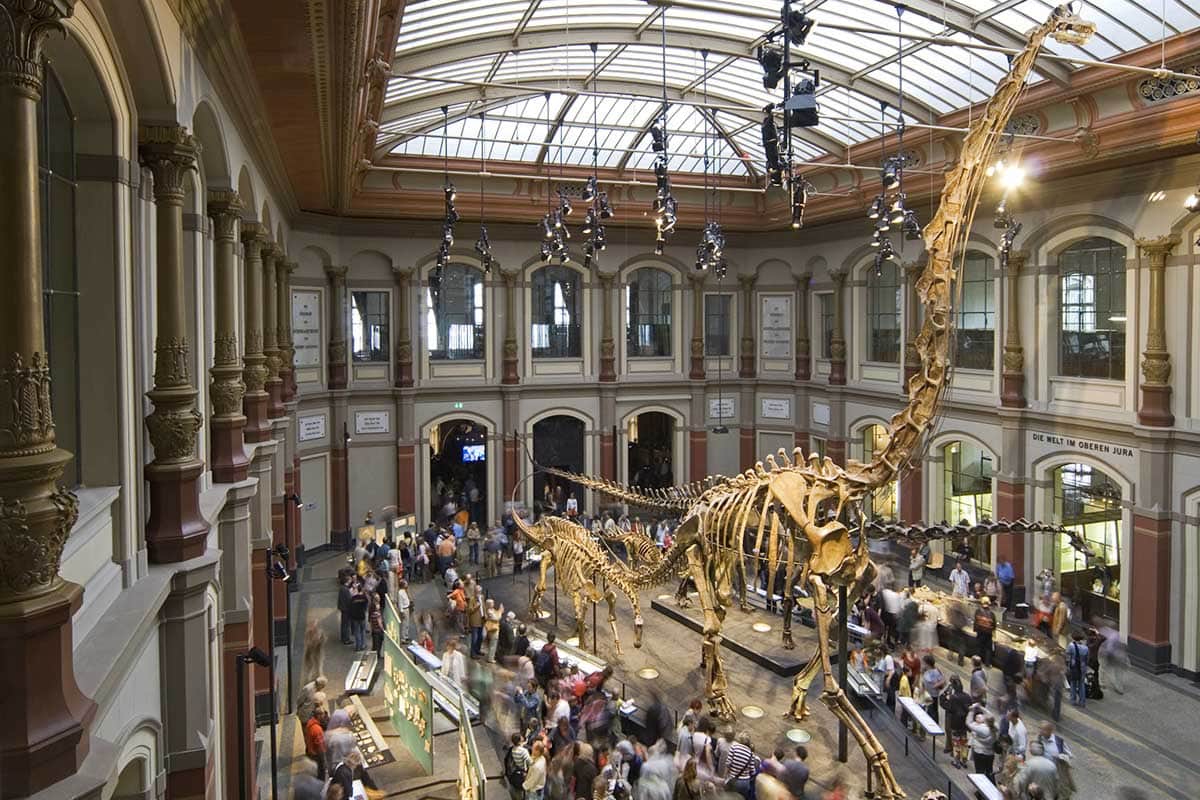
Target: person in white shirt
column 1018, row 734
column 557, row 707
column 454, row 666
column 960, row 579
column 535, row 778
column 572, row 506
column 404, row 607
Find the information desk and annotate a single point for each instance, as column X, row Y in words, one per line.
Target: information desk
column 368, row 738
column 361, row 674
column 923, row 719
column 587, row 663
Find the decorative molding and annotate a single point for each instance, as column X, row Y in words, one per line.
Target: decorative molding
column 31, row 551
column 1024, row 124
column 24, row 26
column 1155, row 90
column 28, row 425
column 225, row 207
column 170, row 152
column 173, row 431
column 171, row 363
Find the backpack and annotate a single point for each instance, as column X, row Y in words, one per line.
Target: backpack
column 542, row 662
column 1075, row 659
column 513, row 774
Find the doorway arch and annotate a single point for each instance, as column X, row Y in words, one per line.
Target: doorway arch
column 654, row 447
column 559, row 440
column 443, row 440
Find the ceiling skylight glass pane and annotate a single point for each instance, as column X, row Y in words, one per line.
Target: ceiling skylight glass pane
column 431, row 22
column 565, row 14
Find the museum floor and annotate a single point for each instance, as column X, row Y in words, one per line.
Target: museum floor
column 1141, row 740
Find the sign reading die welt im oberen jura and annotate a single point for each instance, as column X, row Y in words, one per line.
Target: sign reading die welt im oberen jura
column 1041, row 444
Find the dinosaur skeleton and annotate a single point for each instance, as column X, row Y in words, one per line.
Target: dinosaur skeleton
column 799, row 507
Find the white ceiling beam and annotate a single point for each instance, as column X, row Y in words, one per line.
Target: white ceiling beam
column 554, row 128
column 530, row 10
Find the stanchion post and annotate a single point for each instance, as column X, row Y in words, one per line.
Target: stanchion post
column 843, row 657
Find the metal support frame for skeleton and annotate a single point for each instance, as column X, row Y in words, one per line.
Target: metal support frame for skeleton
column 803, row 509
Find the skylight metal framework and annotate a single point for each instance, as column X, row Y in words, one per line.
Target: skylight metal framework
column 546, row 44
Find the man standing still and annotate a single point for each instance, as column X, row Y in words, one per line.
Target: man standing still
column 1004, row 571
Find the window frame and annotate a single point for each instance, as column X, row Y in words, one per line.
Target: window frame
column 662, row 331
column 875, row 314
column 537, row 306
column 881, row 497
column 382, row 355
column 989, row 312
column 1110, row 512
column 431, row 314
column 824, row 335
column 731, row 302
column 980, row 545
column 1109, row 282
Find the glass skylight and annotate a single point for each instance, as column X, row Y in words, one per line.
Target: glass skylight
column 501, row 57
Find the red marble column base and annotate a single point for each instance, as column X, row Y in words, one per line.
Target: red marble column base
column 746, row 367
column 803, row 367
column 289, row 519
column 698, row 455
column 608, row 362
column 1156, row 407
column 228, row 455
column 288, row 378
column 294, row 510
column 1012, row 390
column 511, row 465
column 746, row 448
column 801, row 440
column 236, row 642
column 608, row 464
column 254, row 406
column 175, row 531
column 509, row 376
column 338, row 498
column 1150, row 599
column 1010, row 504
column 44, row 735
column 406, row 478
column 835, row 450
column 404, row 374
column 837, row 373
column 275, row 408
column 911, row 496
column 338, row 376
column 188, row 783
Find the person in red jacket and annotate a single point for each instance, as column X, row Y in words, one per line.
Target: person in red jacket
column 314, row 737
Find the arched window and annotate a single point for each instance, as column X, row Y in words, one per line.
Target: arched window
column 1089, row 501
column 557, row 315
column 976, row 319
column 60, row 284
column 454, row 326
column 883, row 314
column 648, row 314
column 1092, row 310
column 967, row 471
column 883, row 502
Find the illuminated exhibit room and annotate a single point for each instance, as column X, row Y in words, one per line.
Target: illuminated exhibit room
column 599, row 399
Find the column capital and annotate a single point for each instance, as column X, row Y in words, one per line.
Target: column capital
column 1158, row 248
column 271, row 249
column 402, row 275
column 747, row 281
column 287, row 267
column 170, row 152
column 697, row 278
column 838, row 276
column 254, row 235
column 26, row 23
column 509, row 276
column 1017, row 260
column 337, row 273
column 225, row 208
column 607, row 279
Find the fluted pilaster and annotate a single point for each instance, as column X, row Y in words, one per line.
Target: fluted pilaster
column 1156, row 361
column 747, row 349
column 254, row 371
column 511, row 374
column 175, row 531
column 44, row 737
column 696, row 372
column 837, row 344
column 1012, row 375
column 608, row 350
column 272, row 253
column 338, row 314
column 404, row 350
column 287, row 348
column 228, row 423
column 803, row 344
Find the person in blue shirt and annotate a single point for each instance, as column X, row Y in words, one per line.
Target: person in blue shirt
column 1004, row 572
column 1077, row 666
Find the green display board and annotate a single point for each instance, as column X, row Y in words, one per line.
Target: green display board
column 409, row 700
column 391, row 620
column 471, row 777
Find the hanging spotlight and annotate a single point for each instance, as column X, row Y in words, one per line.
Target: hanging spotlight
column 547, row 227
column 589, row 222
column 564, row 204
column 876, row 238
column 799, row 201
column 606, row 210
column 876, row 210
column 896, row 217
column 770, row 58
column 546, row 252
column 770, row 140
column 589, row 189
column 659, row 244
column 800, row 109
column 450, row 192
column 600, row 240
column 797, row 25
column 484, row 248
column 1012, row 177
column 883, row 226
column 910, row 226
column 890, row 175
column 1192, row 202
column 658, row 138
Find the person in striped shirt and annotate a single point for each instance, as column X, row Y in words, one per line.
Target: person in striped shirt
column 743, row 765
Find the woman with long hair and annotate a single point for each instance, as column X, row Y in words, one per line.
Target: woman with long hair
column 535, row 777
column 687, row 785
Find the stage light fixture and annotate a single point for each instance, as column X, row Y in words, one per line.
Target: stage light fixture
column 547, row 227
column 589, row 222
column 770, row 58
column 890, row 176
column 799, row 202
column 770, row 141
column 450, row 193
column 658, row 138
column 797, row 25
column 911, row 226
column 876, row 210
column 589, row 189
column 800, row 109
column 1192, row 201
column 882, row 225
column 564, row 204
column 606, row 210
column 896, row 217
column 1012, row 177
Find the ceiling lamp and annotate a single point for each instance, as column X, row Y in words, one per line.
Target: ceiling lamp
column 896, row 214
column 589, row 189
column 911, row 226
column 449, row 194
column 554, row 231
column 483, row 246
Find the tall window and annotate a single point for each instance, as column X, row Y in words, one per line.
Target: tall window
column 454, row 327
column 369, row 327
column 60, row 286
column 883, row 314
column 648, row 313
column 883, row 501
column 556, row 328
column 967, row 471
column 976, row 322
column 717, row 324
column 1088, row 501
column 825, row 317
column 1092, row 291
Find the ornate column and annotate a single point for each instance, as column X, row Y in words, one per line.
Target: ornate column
column 747, row 349
column 912, row 314
column 271, row 253
column 1156, row 361
column 803, row 346
column 175, row 531
column 1012, row 375
column 837, row 345
column 404, row 351
column 227, row 426
column 337, row 327
column 697, row 366
column 254, row 372
column 43, row 738
column 510, row 375
column 283, row 319
column 608, row 351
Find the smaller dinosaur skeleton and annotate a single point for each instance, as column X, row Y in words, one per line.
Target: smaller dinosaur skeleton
column 579, row 561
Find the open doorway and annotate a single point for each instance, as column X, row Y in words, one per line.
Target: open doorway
column 651, row 450
column 558, row 442
column 458, row 472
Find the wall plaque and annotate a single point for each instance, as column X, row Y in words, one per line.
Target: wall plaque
column 372, row 422
column 775, row 340
column 309, row 429
column 776, row 408
column 820, row 413
column 306, row 327
column 720, row 408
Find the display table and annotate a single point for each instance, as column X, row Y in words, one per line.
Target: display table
column 986, row 788
column 362, row 673
column 923, row 719
column 370, row 741
column 586, row 662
